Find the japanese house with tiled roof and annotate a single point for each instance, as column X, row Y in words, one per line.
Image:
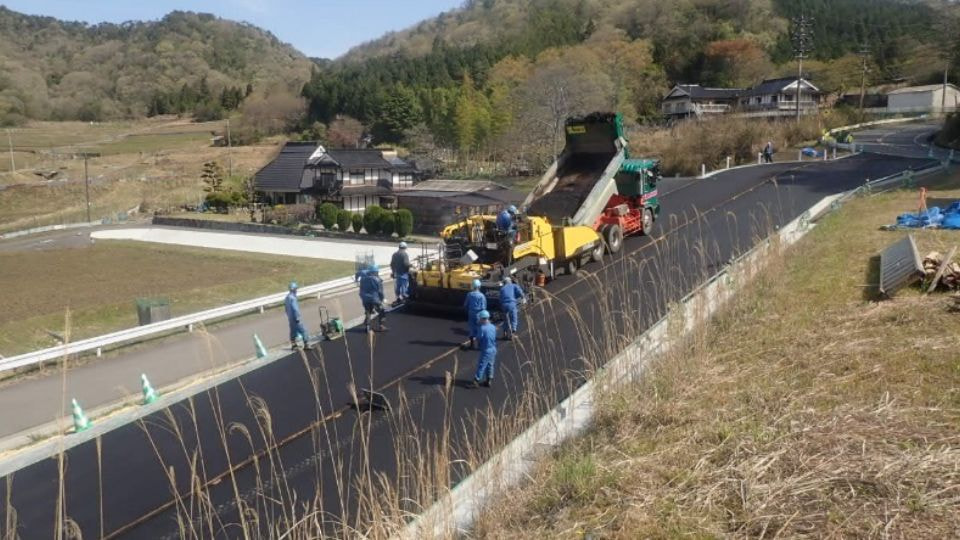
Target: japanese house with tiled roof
column 772, row 97
column 305, row 172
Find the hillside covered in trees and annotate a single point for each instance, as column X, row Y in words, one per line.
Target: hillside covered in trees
column 496, row 76
column 183, row 63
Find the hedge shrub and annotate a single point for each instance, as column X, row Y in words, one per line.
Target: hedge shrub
column 343, row 220
column 327, row 214
column 371, row 219
column 404, row 222
column 388, row 222
column 357, row 221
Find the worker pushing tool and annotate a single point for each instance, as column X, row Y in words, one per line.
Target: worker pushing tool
column 510, row 296
column 292, row 307
column 371, row 294
column 474, row 303
column 506, row 220
column 487, row 342
column 400, row 270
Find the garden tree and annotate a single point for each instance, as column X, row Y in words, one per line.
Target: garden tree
column 371, row 219
column 343, row 220
column 387, row 222
column 212, row 177
column 344, row 132
column 404, row 222
column 356, row 221
column 327, row 214
column 838, row 76
column 316, row 131
column 735, row 63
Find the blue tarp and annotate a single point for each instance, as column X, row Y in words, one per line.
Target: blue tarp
column 932, row 218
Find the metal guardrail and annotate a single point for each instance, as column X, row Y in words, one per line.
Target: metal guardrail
column 185, row 322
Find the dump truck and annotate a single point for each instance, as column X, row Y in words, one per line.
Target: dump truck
column 595, row 183
column 583, row 206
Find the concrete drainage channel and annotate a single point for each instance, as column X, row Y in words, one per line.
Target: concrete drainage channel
column 454, row 513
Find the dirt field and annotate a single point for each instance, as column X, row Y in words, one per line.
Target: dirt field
column 100, row 284
column 156, row 162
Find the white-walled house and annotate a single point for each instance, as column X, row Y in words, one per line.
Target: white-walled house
column 693, row 100
column 305, row 172
column 778, row 97
column 928, row 98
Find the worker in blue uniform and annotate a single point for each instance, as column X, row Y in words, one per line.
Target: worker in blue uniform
column 505, row 220
column 371, row 295
column 474, row 303
column 487, row 343
column 511, row 295
column 400, row 269
column 292, row 306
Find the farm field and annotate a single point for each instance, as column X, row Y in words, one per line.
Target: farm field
column 99, row 284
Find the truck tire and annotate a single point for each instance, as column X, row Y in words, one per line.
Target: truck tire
column 613, row 236
column 647, row 222
column 571, row 266
column 596, row 254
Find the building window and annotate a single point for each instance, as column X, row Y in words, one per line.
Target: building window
column 356, row 176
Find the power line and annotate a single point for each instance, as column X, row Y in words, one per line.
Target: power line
column 864, row 54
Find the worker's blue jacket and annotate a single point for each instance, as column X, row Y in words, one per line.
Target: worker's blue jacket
column 487, row 338
column 504, row 221
column 371, row 288
column 292, row 306
column 360, row 273
column 475, row 302
column 510, row 294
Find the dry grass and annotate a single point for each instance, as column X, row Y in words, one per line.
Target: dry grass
column 155, row 161
column 805, row 409
column 688, row 144
column 100, row 283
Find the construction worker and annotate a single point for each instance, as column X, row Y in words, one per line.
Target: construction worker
column 292, row 307
column 474, row 303
column 371, row 294
column 505, row 220
column 487, row 342
column 510, row 295
column 400, row 270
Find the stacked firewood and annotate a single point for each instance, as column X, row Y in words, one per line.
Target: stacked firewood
column 949, row 275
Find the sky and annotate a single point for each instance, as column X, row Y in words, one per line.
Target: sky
column 318, row 28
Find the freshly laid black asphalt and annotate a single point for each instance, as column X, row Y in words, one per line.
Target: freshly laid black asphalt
column 184, row 472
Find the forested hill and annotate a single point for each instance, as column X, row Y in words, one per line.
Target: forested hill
column 52, row 69
column 497, row 74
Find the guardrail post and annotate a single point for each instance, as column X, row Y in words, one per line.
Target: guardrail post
column 951, row 155
column 99, row 352
column 728, row 160
column 759, row 159
column 799, row 155
column 190, row 327
column 261, row 309
column 834, row 152
column 703, row 170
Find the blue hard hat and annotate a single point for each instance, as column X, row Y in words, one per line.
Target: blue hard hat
column 483, row 315
column 512, row 209
column 374, row 268
column 476, row 284
column 293, row 285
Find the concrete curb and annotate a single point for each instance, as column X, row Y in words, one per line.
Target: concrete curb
column 117, row 414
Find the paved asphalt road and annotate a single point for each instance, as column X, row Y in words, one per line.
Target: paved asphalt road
column 316, row 440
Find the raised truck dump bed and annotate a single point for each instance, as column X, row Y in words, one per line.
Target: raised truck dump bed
column 576, row 188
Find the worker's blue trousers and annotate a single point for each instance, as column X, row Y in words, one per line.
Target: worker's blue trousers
column 511, row 318
column 296, row 328
column 401, row 285
column 473, row 326
column 485, row 365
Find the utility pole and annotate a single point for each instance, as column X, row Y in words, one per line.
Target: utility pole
column 86, row 177
column 864, row 52
column 229, row 149
column 13, row 165
column 802, row 41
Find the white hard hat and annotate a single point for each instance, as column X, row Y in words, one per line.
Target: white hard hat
column 403, row 245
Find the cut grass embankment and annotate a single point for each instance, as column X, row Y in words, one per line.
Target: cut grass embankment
column 100, row 284
column 805, row 408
